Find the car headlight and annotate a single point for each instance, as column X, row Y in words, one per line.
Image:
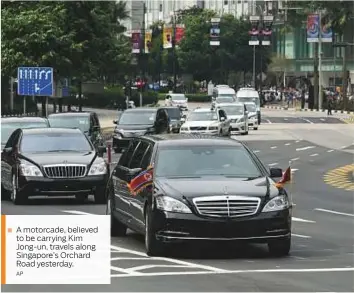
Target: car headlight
column 169, row 204
column 252, row 117
column 30, row 170
column 277, row 203
column 184, row 129
column 213, row 128
column 98, row 169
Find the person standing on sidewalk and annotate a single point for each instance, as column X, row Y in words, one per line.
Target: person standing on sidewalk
column 329, row 104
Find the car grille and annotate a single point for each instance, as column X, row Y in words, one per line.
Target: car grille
column 227, row 206
column 65, row 171
column 197, row 128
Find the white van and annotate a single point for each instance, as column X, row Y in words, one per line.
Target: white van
column 245, row 95
column 223, row 94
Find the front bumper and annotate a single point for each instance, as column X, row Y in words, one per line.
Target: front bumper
column 206, row 132
column 61, row 186
column 237, row 127
column 175, row 227
column 182, row 107
column 253, row 123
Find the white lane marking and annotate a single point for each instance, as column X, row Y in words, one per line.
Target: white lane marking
column 126, row 271
column 305, row 148
column 295, row 159
column 322, row 119
column 272, row 164
column 256, row 151
column 273, row 147
column 343, row 147
column 329, row 151
column 302, row 220
column 316, row 270
column 297, row 141
column 334, row 212
column 286, row 119
column 146, row 267
column 176, row 261
column 269, row 122
column 287, row 143
column 307, row 120
column 294, row 170
column 314, row 155
column 301, row 236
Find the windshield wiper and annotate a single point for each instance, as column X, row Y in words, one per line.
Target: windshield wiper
column 182, row 177
column 240, row 176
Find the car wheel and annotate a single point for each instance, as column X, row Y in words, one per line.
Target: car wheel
column 100, row 195
column 244, row 133
column 279, row 247
column 17, row 197
column 255, row 128
column 118, row 229
column 117, row 150
column 229, row 132
column 153, row 246
column 220, row 133
column 5, row 194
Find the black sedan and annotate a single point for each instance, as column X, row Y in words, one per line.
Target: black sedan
column 200, row 189
column 54, row 162
column 10, row 124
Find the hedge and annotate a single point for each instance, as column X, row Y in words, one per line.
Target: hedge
column 200, row 98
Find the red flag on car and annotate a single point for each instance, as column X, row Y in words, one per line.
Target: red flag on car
column 144, row 179
column 287, row 177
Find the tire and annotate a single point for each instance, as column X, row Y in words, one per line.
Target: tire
column 118, row 229
column 5, row 194
column 229, row 132
column 153, row 246
column 244, row 133
column 18, row 198
column 255, row 128
column 220, row 134
column 280, row 247
column 100, row 195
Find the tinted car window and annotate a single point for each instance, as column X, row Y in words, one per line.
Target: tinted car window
column 225, row 99
column 174, row 113
column 81, row 122
column 147, row 157
column 206, row 160
column 12, row 139
column 233, row 110
column 203, row 116
column 125, row 159
column 138, row 155
column 137, row 118
column 8, row 128
column 52, row 142
column 251, row 108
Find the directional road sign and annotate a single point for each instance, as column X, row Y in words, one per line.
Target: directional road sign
column 35, row 81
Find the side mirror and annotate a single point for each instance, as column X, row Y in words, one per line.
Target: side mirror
column 246, row 112
column 115, row 121
column 184, row 116
column 135, row 171
column 276, row 172
column 101, row 150
column 222, row 119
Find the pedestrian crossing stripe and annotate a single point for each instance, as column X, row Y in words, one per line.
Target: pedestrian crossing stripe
column 349, row 120
column 341, row 177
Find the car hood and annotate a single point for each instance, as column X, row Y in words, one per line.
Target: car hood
column 235, row 116
column 84, row 158
column 250, row 114
column 207, row 186
column 200, row 123
column 130, row 128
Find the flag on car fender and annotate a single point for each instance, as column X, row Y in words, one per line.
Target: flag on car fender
column 287, row 177
column 141, row 181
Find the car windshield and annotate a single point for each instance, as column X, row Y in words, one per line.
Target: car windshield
column 81, row 122
column 251, row 107
column 178, row 98
column 225, row 99
column 174, row 113
column 205, row 160
column 52, row 142
column 8, row 128
column 202, row 116
column 137, row 118
column 233, row 110
column 249, row 99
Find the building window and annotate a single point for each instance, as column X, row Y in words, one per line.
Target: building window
column 160, row 7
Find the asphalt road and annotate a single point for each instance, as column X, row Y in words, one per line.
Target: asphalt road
column 322, row 251
column 307, row 120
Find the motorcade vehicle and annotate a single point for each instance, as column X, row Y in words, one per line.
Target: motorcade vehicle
column 223, row 94
column 200, row 189
column 244, row 95
column 252, row 115
column 176, row 100
column 238, row 114
column 176, row 118
column 52, row 162
column 10, row 124
column 86, row 121
column 137, row 122
column 207, row 121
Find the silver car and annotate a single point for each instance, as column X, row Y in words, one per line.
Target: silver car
column 238, row 115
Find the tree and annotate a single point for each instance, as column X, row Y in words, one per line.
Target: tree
column 278, row 67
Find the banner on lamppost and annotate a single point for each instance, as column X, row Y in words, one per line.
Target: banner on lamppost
column 254, row 32
column 326, row 33
column 167, row 36
column 179, row 33
column 215, row 32
column 148, row 44
column 267, row 29
column 136, row 41
column 313, row 28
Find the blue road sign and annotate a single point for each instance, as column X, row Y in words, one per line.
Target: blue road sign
column 35, row 81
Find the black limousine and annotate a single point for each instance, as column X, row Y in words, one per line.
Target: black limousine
column 52, row 161
column 201, row 189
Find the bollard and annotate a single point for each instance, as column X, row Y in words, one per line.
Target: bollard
column 109, row 153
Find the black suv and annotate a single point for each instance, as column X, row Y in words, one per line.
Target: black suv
column 176, row 118
column 200, row 188
column 137, row 122
column 87, row 122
